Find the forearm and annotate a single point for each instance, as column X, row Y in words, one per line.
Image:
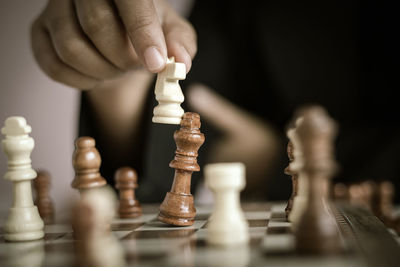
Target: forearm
column 118, row 107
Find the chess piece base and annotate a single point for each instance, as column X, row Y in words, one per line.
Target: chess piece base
column 166, row 120
column 23, row 224
column 177, row 209
column 234, row 236
column 130, row 212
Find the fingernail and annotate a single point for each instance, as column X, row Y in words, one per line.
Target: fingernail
column 153, row 59
column 188, row 60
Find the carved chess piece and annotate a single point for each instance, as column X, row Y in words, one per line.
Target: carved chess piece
column 126, row 182
column 228, row 226
column 91, row 221
column 296, row 167
column 178, row 207
column 23, row 222
column 86, row 161
column 317, row 231
column 43, row 201
column 169, row 94
column 294, row 176
column 385, row 203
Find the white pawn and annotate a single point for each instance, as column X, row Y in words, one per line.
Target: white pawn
column 169, row 94
column 23, row 222
column 300, row 200
column 92, row 217
column 227, row 225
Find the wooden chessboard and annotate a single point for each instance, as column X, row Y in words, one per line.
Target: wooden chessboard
column 147, row 242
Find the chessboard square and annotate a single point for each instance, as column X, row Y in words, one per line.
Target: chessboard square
column 258, row 223
column 126, row 226
column 278, row 243
column 142, row 219
column 257, row 215
column 57, row 228
column 157, row 225
column 160, row 234
column 273, row 223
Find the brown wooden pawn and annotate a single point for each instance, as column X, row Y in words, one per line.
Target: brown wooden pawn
column 317, row 232
column 178, row 206
column 294, row 176
column 126, row 182
column 43, row 201
column 385, row 203
column 86, row 161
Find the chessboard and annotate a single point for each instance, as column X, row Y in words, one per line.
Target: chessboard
column 147, row 242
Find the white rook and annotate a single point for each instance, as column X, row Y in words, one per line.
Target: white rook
column 227, row 225
column 23, row 222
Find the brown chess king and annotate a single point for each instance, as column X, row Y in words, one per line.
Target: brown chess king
column 178, row 207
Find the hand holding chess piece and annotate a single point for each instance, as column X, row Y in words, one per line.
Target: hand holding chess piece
column 43, row 201
column 178, row 207
column 86, row 161
column 169, row 94
column 126, row 182
column 23, row 222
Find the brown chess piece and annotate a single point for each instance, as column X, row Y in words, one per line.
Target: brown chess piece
column 178, row 207
column 294, row 176
column 43, row 201
column 340, row 192
column 317, row 232
column 126, row 182
column 385, row 203
column 86, row 161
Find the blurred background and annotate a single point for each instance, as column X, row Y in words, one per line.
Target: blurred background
column 50, row 108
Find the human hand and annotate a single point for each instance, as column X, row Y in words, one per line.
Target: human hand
column 245, row 137
column 83, row 43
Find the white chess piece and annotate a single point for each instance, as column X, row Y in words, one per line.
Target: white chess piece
column 227, row 225
column 23, row 222
column 101, row 247
column 169, row 94
column 300, row 200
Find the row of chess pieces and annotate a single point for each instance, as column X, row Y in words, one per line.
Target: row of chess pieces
column 25, row 223
column 376, row 196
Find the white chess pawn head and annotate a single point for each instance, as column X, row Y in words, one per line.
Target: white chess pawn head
column 220, row 176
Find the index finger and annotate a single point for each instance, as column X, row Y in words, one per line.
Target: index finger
column 144, row 29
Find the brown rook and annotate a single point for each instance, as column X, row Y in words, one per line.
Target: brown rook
column 86, row 161
column 178, row 207
column 43, row 201
column 126, row 182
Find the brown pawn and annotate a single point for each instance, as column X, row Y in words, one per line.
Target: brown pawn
column 385, row 203
column 294, row 175
column 340, row 192
column 126, row 182
column 86, row 161
column 178, row 207
column 317, row 232
column 43, row 201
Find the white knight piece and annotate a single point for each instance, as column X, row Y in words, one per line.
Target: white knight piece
column 169, row 94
